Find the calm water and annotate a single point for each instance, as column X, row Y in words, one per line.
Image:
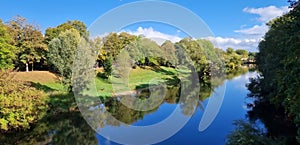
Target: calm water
column 71, row 128
column 233, row 108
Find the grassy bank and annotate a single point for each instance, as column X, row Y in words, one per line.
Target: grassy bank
column 138, row 78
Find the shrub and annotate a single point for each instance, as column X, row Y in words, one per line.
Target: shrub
column 20, row 104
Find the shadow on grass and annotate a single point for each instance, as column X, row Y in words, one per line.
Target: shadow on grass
column 162, row 71
column 101, row 75
column 42, row 87
column 174, row 81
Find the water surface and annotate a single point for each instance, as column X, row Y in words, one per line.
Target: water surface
column 71, row 128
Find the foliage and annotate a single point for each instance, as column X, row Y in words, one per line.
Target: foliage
column 30, row 42
column 62, row 52
column 7, row 49
column 146, row 52
column 169, row 53
column 63, row 124
column 242, row 52
column 108, row 66
column 122, row 67
column 195, row 52
column 52, row 33
column 20, row 104
column 207, row 60
column 229, row 50
column 83, row 66
column 114, row 43
column 278, row 61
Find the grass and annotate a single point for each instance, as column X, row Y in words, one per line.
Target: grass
column 138, row 78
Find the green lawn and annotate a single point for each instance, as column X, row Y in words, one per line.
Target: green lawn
column 138, row 78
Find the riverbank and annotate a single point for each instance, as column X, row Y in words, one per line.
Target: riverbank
column 138, row 78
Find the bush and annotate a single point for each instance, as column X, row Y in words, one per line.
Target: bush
column 20, row 104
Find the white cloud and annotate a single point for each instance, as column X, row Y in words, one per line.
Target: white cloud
column 252, row 35
column 258, row 30
column 265, row 14
column 224, row 43
column 154, row 35
column 236, row 43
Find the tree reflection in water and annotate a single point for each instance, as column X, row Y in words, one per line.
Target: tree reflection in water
column 69, row 127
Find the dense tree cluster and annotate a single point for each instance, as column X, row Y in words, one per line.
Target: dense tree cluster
column 276, row 89
column 23, row 46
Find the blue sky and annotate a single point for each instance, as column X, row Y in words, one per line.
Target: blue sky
column 236, row 23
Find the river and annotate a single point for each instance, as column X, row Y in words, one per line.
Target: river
column 71, row 128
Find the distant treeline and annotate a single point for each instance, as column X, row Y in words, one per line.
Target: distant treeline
column 23, row 46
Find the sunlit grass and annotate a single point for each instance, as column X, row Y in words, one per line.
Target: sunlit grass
column 138, row 78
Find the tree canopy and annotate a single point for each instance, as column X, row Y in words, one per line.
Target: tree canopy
column 276, row 89
column 62, row 52
column 7, row 49
column 29, row 41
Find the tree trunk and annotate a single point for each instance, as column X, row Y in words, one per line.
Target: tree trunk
column 32, row 67
column 27, row 70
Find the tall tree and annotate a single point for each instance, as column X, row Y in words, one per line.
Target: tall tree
column 276, row 90
column 62, row 52
column 30, row 42
column 7, row 49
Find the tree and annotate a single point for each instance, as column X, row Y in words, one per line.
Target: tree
column 196, row 56
column 62, row 52
column 241, row 52
column 108, row 66
column 229, row 50
column 83, row 66
column 121, row 71
column 52, row 33
column 7, row 49
column 114, row 43
column 29, row 41
column 278, row 84
column 169, row 53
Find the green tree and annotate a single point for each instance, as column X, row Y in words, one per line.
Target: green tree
column 230, row 50
column 169, row 53
column 52, row 33
column 29, row 41
column 62, row 52
column 108, row 67
column 83, row 66
column 278, row 84
column 242, row 52
column 196, row 55
column 7, row 49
